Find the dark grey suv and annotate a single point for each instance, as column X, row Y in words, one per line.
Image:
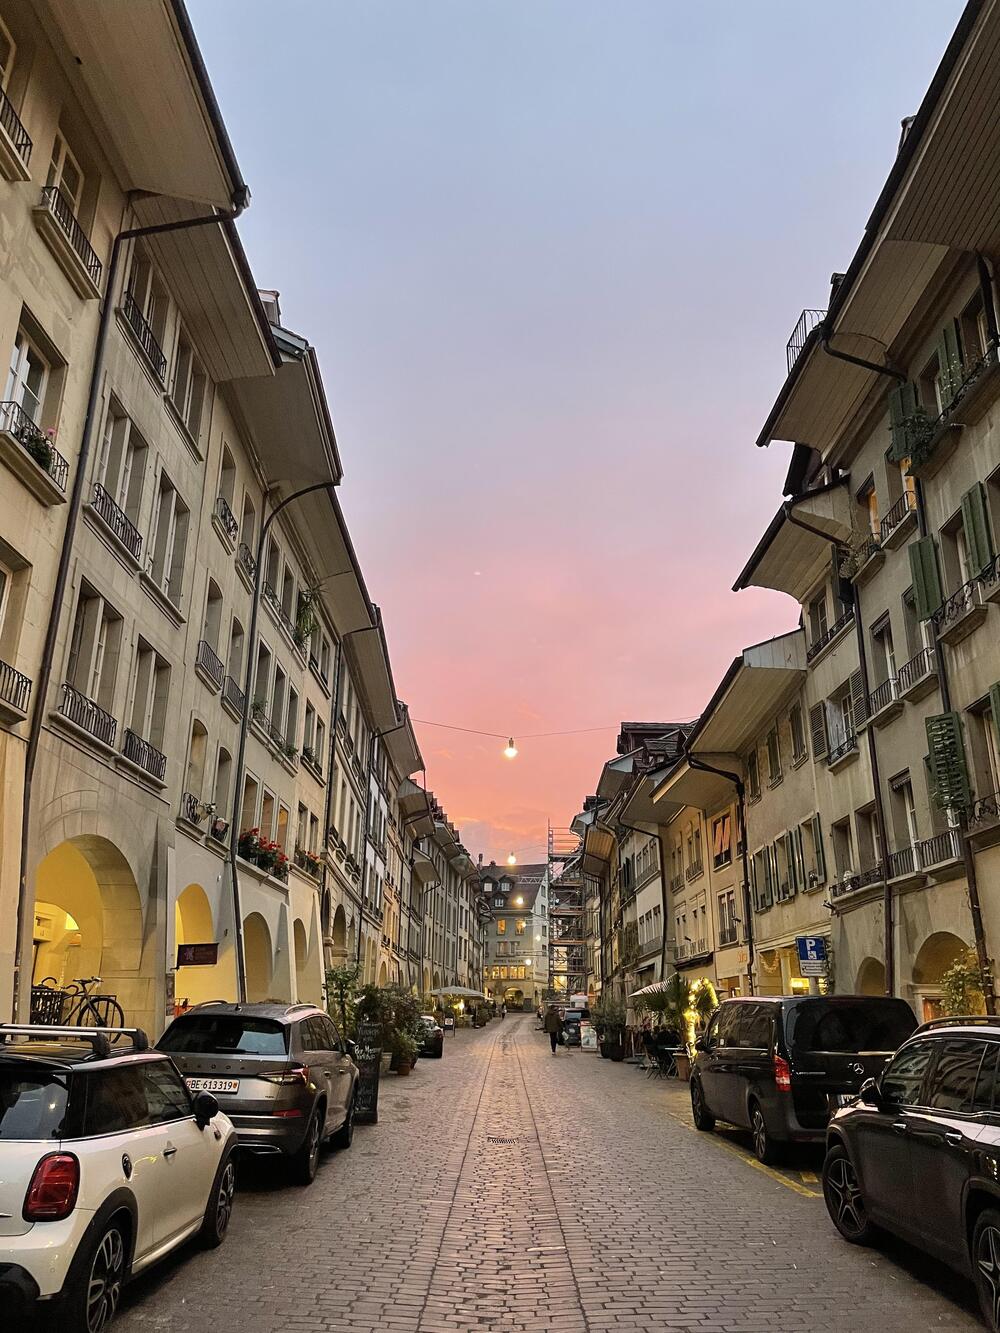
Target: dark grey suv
column 281, row 1072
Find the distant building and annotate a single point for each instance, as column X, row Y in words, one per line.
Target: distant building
column 516, row 969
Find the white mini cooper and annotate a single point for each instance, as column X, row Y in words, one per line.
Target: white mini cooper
column 107, row 1163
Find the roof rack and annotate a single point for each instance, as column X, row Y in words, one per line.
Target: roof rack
column 959, row 1021
column 99, row 1038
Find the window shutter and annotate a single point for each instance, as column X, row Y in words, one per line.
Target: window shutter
column 995, row 709
column 859, row 703
column 949, row 350
column 817, row 726
column 903, row 404
column 791, row 853
column 976, row 523
column 946, row 756
column 927, row 594
column 820, row 852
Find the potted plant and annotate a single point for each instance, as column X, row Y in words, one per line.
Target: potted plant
column 608, row 1017
column 404, row 1051
column 341, row 990
column 248, row 845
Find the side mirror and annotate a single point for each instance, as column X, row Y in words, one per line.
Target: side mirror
column 869, row 1093
column 206, row 1108
column 700, row 1044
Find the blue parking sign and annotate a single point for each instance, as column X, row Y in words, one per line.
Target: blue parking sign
column 812, row 954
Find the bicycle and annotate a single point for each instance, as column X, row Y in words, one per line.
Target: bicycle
column 87, row 1010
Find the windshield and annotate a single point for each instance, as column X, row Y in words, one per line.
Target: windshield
column 847, row 1026
column 32, row 1105
column 224, row 1034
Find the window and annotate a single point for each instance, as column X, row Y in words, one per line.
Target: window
column 28, row 377
column 955, row 1075
column 150, row 690
column 223, row 780
column 756, row 1026
column 95, row 645
column 797, row 729
column 773, row 757
column 883, row 652
column 753, row 776
column 122, row 463
column 292, row 718
column 64, row 173
column 904, row 814
column 818, row 617
column 902, row 1081
column 224, row 1034
column 116, row 1101
column 166, row 1096
column 148, row 299
column 320, row 744
column 501, row 925
column 984, row 1098
column 727, row 918
column 7, row 50
column 843, row 847
column 196, row 759
column 188, row 393
column 722, row 841
column 170, row 530
column 520, row 925
column 248, row 806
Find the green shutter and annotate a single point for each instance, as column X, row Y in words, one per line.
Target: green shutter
column 976, row 523
column 927, row 593
column 859, row 701
column 995, row 710
column 946, row 756
column 904, row 404
column 817, row 727
column 950, row 369
column 820, row 852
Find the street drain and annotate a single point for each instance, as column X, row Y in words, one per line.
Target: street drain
column 500, row 1142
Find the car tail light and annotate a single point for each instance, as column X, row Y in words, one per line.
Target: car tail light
column 52, row 1193
column 300, row 1075
column 782, row 1074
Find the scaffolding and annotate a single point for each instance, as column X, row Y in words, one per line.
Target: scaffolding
column 567, row 926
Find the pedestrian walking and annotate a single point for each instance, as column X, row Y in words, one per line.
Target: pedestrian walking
column 553, row 1026
column 503, row 1010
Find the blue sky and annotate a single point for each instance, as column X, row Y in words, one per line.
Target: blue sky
column 550, row 252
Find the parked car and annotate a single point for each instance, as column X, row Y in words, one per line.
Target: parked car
column 283, row 1073
column 918, row 1152
column 107, row 1163
column 780, row 1065
column 572, row 1019
column 432, row 1041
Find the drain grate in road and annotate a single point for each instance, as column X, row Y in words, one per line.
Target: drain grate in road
column 499, row 1141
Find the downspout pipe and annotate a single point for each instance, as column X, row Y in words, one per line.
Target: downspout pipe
column 888, row 904
column 248, row 685
column 328, row 801
column 240, row 201
column 825, row 336
column 741, row 819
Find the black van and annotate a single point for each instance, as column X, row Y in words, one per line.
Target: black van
column 780, row 1065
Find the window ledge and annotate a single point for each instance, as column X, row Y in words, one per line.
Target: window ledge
column 143, row 774
column 314, row 769
column 775, row 782
column 64, row 254
column 262, row 876
column 32, row 474
column 323, row 683
column 799, row 759
column 157, row 595
column 110, row 538
column 828, row 647
column 13, row 166
column 228, row 542
column 88, row 737
column 181, row 425
column 128, row 333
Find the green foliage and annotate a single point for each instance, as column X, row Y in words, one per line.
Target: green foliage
column 961, row 986
column 607, row 1015
column 341, row 989
column 397, row 1011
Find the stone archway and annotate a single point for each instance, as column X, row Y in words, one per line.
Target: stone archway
column 307, row 979
column 88, row 922
column 427, row 981
column 338, row 934
column 194, row 924
column 259, row 954
column 937, row 953
column 383, row 975
column 871, row 977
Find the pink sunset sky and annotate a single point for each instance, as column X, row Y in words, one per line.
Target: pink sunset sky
column 550, row 255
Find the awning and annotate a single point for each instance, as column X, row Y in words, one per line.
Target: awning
column 598, row 848
column 424, row 869
column 757, row 683
column 459, row 992
column 615, row 775
column 415, row 808
column 402, row 746
column 789, row 557
column 687, row 786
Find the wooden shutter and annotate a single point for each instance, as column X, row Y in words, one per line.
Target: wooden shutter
column 950, row 369
column 820, row 851
column 859, row 701
column 791, row 853
column 904, row 404
column 976, row 523
column 817, row 726
column 927, row 593
column 946, row 756
column 995, row 710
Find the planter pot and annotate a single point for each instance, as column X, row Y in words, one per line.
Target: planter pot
column 403, row 1067
column 683, row 1062
column 615, row 1050
column 605, row 1050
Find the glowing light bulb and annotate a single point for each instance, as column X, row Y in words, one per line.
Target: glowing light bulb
column 510, row 749
column 511, row 859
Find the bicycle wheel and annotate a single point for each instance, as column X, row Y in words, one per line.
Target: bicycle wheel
column 101, row 1011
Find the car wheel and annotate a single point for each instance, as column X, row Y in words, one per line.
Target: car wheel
column 844, row 1200
column 440, row 1051
column 220, row 1205
column 95, row 1289
column 986, row 1265
column 305, row 1163
column 703, row 1119
column 765, row 1148
column 344, row 1136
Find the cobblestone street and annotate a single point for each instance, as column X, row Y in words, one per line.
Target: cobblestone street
column 504, row 1189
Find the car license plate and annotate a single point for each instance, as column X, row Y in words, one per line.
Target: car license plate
column 841, row 1098
column 213, row 1084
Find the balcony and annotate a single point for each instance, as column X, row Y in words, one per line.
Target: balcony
column 963, row 612
column 208, row 665
column 122, row 529
column 728, row 936
column 57, row 224
column 985, row 814
column 884, row 702
column 834, row 631
column 246, row 565
column 944, row 849
column 682, row 951
column 866, row 559
column 695, row 869
column 15, row 694
column 989, row 579
column 143, row 755
column 808, row 320
column 899, row 522
column 15, row 143
column 87, row 716
column 918, row 676
column 144, row 336
column 192, row 811
column 850, row 884
column 233, row 697
column 31, row 455
column 676, row 883
column 903, row 864
column 308, row 861
column 225, row 521
column 843, row 753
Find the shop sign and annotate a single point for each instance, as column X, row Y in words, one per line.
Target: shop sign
column 368, row 1058
column 197, row 955
column 811, row 950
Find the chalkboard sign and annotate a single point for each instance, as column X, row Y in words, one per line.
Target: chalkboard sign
column 368, row 1058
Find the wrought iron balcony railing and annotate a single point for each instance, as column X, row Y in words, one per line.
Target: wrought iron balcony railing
column 15, row 688
column 126, row 531
column 83, row 712
column 963, row 600
column 695, row 869
column 852, row 883
column 141, row 753
column 842, row 749
column 901, row 510
column 903, row 862
column 828, row 636
column 245, row 561
column 206, row 658
column 16, row 132
column 144, row 335
column 882, row 696
column 227, row 518
column 986, row 810
column 233, row 695
column 915, row 669
column 806, row 323
column 61, row 209
column 14, row 421
column 192, row 809
column 940, row 849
